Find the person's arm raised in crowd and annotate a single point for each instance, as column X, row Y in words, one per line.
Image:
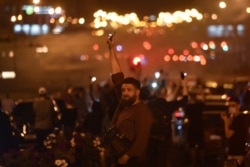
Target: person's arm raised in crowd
column 115, row 65
column 184, row 87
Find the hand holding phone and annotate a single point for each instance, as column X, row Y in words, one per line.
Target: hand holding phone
column 183, row 75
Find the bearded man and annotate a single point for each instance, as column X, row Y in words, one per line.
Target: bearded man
column 132, row 118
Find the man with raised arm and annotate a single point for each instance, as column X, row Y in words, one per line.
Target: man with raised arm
column 132, row 118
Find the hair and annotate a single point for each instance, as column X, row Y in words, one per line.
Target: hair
column 133, row 81
column 234, row 99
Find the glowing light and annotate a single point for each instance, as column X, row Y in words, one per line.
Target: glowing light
column 222, row 4
column 19, row 17
column 181, row 58
column 157, row 75
column 58, row 10
column 81, row 20
column 214, row 16
column 248, row 9
column 136, row 60
column 8, row 75
column 197, row 58
column 185, row 52
column 212, row 45
column 204, row 46
column 119, row 48
column 147, row 45
column 13, row 19
column 170, row 51
column 84, row 57
column 95, row 47
column 190, row 58
column 36, row 1
column 194, row 45
column 167, row 58
column 154, row 85
column 175, row 58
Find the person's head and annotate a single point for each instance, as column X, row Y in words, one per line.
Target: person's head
column 42, row 91
column 130, row 90
column 233, row 106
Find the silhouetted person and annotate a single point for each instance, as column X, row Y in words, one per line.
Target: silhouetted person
column 93, row 121
column 7, row 140
column 160, row 144
column 195, row 137
column 44, row 116
column 7, row 104
column 236, row 130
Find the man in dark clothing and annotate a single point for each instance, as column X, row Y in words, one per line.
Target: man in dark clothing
column 160, row 143
column 195, row 138
column 235, row 130
column 132, row 117
column 7, row 141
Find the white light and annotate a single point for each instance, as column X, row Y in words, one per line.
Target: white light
column 93, row 79
column 154, row 85
column 157, row 75
column 8, row 75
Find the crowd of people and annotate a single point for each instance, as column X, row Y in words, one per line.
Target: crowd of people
column 134, row 121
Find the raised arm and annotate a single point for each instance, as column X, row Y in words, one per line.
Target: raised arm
column 115, row 65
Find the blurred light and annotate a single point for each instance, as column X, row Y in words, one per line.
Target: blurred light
column 98, row 33
column 95, row 47
column 196, row 58
column 147, row 45
column 84, row 57
column 211, row 84
column 224, row 46
column 212, row 45
column 157, row 75
column 42, row 49
column 214, row 16
column 36, row 1
column 61, row 20
column 170, row 51
column 8, row 75
column 222, row 4
column 167, row 58
column 99, row 57
column 81, row 21
column 13, row 19
column 181, row 58
column 190, row 58
column 203, row 61
column 29, row 10
column 19, row 17
column 58, row 10
column 175, row 58
column 248, row 9
column 154, row 85
column 136, row 60
column 119, row 48
column 204, row 46
column 194, row 45
column 11, row 54
column 185, row 52
column 93, row 79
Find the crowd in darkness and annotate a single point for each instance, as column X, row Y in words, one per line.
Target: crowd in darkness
column 93, row 108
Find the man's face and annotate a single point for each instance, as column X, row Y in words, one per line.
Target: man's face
column 129, row 94
column 233, row 108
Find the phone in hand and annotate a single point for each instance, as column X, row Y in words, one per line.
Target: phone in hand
column 183, row 75
column 110, row 36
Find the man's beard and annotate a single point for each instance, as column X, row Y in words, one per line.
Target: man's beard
column 125, row 103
